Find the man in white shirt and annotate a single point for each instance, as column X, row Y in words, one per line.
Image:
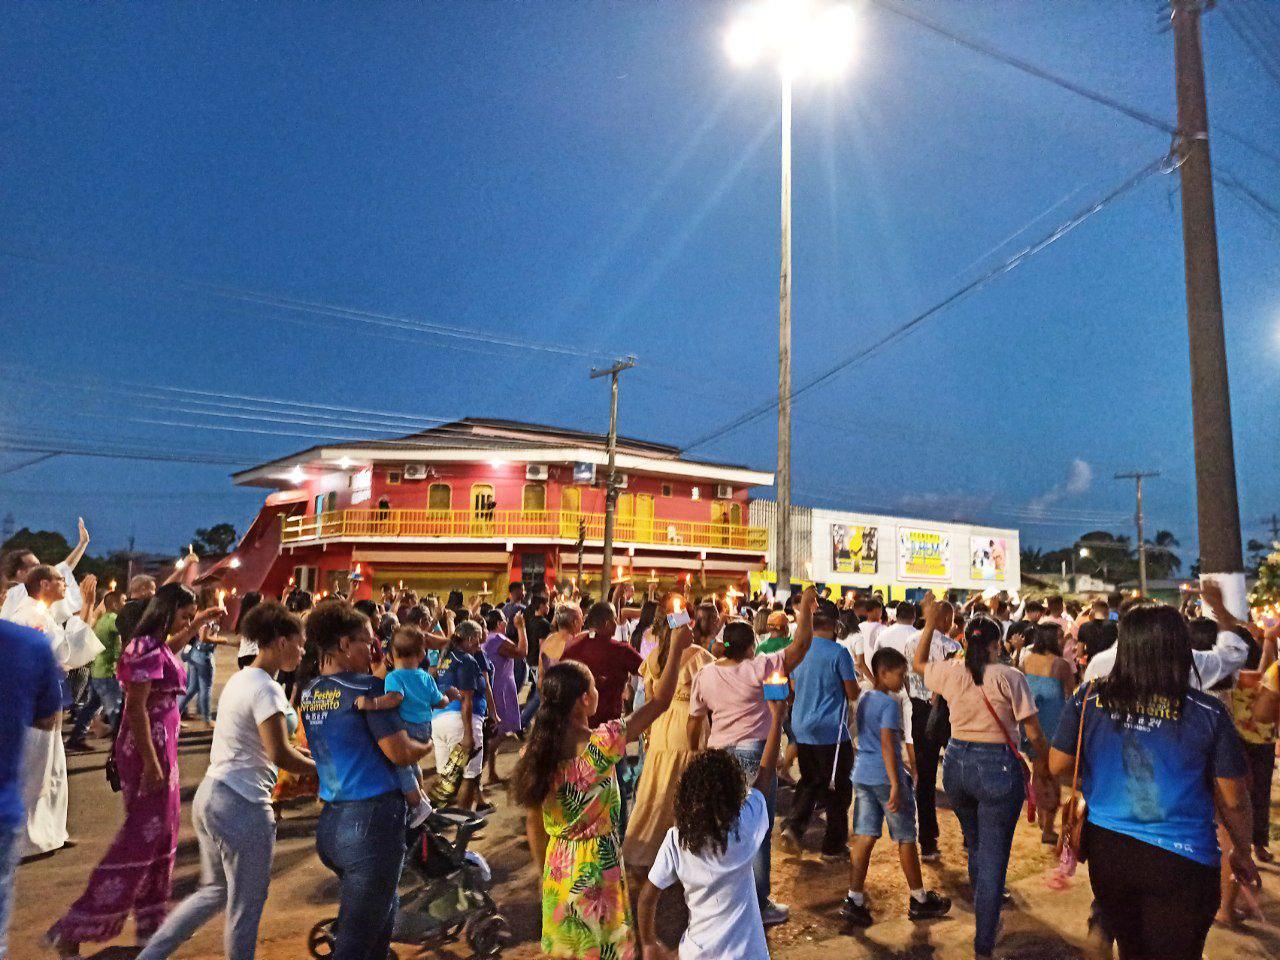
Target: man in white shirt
column 899, row 633
column 862, row 642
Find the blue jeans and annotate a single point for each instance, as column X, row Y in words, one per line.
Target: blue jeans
column 410, row 776
column 870, row 810
column 104, row 693
column 10, row 846
column 363, row 842
column 199, row 685
column 984, row 784
column 748, row 755
column 530, row 708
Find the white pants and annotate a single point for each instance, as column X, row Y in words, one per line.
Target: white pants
column 446, row 733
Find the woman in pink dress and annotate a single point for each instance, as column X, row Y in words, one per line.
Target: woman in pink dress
column 134, row 875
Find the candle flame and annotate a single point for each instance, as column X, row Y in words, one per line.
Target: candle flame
column 675, row 605
column 776, row 677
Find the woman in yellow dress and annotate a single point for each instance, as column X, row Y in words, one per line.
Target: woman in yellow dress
column 668, row 750
column 566, row 779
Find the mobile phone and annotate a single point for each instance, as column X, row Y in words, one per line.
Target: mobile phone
column 678, row 618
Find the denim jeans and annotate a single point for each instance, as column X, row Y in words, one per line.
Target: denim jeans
column 410, row 777
column 748, row 754
column 10, row 848
column 363, row 842
column 199, row 685
column 237, row 838
column 984, row 784
column 104, row 694
column 530, row 705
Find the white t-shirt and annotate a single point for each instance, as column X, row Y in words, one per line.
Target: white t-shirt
column 238, row 757
column 719, row 889
column 896, row 635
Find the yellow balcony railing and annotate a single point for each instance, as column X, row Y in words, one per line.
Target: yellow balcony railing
column 515, row 524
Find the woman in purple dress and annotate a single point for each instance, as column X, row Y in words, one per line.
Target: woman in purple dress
column 134, row 875
column 503, row 654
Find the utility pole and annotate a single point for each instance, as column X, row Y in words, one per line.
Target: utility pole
column 1273, row 522
column 782, row 538
column 1137, row 476
column 611, row 481
column 1217, row 505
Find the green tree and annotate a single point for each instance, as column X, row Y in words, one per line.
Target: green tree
column 47, row 545
column 217, row 540
column 1266, row 592
column 1162, row 560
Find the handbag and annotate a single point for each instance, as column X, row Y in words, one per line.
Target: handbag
column 938, row 727
column 1027, row 788
column 1076, row 810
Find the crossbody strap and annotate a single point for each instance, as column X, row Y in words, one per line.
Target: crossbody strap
column 999, row 723
column 1075, row 774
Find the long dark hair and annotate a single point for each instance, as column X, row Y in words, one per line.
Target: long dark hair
column 739, row 640
column 709, row 798
column 981, row 636
column 1047, row 638
column 563, row 685
column 250, row 600
column 157, row 619
column 648, row 613
column 1153, row 664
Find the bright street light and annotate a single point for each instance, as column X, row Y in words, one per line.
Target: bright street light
column 802, row 38
column 1084, row 551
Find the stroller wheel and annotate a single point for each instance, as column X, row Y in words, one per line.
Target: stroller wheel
column 320, row 940
column 489, row 936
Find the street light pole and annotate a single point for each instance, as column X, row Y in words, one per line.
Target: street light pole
column 1137, row 476
column 611, row 480
column 783, row 526
column 1217, row 504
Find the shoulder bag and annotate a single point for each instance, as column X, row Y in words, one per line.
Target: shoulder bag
column 1076, row 810
column 1027, row 786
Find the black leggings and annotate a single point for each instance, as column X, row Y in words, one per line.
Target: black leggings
column 1156, row 904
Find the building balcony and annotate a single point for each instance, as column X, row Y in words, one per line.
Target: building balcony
column 527, row 526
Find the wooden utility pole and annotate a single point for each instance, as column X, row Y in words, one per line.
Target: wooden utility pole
column 1217, row 505
column 1137, row 476
column 611, row 481
column 782, row 528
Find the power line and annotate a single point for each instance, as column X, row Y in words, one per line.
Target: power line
column 27, row 463
column 1163, row 164
column 318, row 308
column 1058, row 80
column 1252, row 43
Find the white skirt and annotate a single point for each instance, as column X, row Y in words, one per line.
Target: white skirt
column 446, row 733
column 44, row 791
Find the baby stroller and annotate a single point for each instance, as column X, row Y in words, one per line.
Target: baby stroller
column 449, row 900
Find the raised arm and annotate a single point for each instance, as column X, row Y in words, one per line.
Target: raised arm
column 925, row 642
column 77, row 552
column 795, row 653
column 665, row 689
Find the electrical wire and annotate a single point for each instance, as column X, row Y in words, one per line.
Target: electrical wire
column 1163, row 164
column 27, row 463
column 1252, row 43
column 312, row 307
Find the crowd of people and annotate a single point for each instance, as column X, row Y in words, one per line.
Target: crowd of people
column 648, row 739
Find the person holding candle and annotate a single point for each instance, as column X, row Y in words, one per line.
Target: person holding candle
column 566, row 780
column 730, row 692
column 200, row 669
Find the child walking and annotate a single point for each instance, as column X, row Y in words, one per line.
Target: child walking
column 414, row 693
column 720, row 823
column 566, row 779
column 883, row 791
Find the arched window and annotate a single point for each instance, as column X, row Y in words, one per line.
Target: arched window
column 535, row 497
column 439, row 497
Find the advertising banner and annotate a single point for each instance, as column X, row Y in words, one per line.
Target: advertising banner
column 853, row 549
column 923, row 554
column 987, row 558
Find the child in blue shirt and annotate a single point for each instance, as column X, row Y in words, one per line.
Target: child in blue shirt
column 883, row 791
column 414, row 694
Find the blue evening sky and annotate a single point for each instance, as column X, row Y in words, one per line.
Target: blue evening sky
column 596, row 176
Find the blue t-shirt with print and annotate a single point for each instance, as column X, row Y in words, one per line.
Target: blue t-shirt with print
column 344, row 740
column 877, row 711
column 1151, row 777
column 463, row 672
column 818, row 714
column 31, row 690
column 419, row 691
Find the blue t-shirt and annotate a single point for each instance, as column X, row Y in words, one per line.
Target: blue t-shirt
column 877, row 711
column 463, row 672
column 344, row 740
column 31, row 690
column 419, row 691
column 1151, row 778
column 818, row 712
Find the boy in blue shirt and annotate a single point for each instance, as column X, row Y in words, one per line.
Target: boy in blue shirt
column 883, row 791
column 414, row 693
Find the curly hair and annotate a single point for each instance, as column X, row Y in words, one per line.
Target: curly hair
column 710, row 796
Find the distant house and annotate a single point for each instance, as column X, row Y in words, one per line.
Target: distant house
column 476, row 503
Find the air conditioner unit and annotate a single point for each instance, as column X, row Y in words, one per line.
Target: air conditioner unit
column 724, row 491
column 536, row 471
column 415, row 471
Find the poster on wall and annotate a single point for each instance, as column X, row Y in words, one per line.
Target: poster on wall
column 361, row 485
column 923, row 554
column 988, row 557
column 853, row 549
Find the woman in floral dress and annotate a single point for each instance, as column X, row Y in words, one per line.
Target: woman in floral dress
column 566, row 779
column 134, row 875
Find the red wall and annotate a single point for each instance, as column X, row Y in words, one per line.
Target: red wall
column 508, row 481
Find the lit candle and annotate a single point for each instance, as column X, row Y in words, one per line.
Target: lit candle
column 484, row 586
column 775, row 686
column 675, row 605
column 291, row 581
column 113, row 584
column 401, row 584
column 178, row 564
column 222, row 599
column 233, row 591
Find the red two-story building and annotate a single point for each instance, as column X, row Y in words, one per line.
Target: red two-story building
column 476, row 503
